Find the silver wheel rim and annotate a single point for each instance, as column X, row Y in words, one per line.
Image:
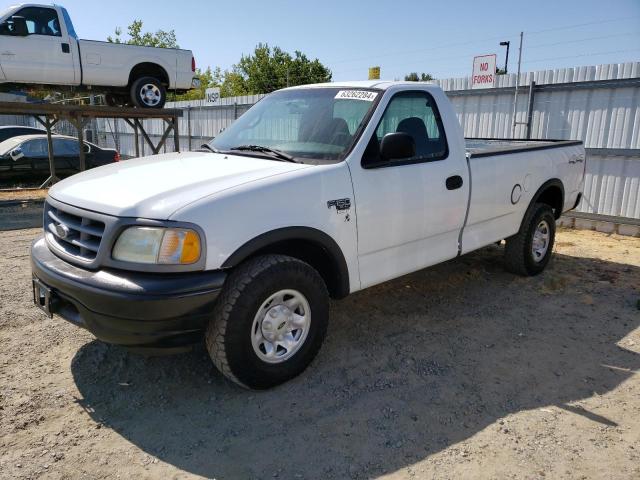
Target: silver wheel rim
column 540, row 243
column 150, row 94
column 281, row 326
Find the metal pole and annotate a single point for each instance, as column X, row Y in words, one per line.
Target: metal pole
column 116, row 134
column 136, row 137
column 176, row 135
column 532, row 87
column 515, row 97
column 235, row 110
column 141, row 127
column 189, row 125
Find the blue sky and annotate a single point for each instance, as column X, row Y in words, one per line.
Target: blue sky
column 440, row 37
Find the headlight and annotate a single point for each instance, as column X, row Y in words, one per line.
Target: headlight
column 166, row 246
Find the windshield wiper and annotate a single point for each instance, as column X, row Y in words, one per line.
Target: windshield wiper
column 272, row 151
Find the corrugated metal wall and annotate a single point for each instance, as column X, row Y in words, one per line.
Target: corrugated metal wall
column 599, row 105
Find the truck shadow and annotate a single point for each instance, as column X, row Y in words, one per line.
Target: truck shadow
column 408, row 368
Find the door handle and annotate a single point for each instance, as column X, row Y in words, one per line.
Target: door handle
column 65, row 47
column 454, row 182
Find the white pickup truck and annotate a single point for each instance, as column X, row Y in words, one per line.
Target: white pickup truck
column 314, row 193
column 39, row 46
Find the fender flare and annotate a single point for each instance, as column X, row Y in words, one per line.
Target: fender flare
column 154, row 62
column 308, row 234
column 554, row 182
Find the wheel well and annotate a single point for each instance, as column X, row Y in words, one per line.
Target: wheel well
column 310, row 246
column 552, row 195
column 148, row 69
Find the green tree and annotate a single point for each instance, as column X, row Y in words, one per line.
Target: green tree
column 269, row 69
column 161, row 38
column 414, row 77
column 234, row 84
column 208, row 78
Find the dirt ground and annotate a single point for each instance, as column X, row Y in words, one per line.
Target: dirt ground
column 458, row 371
column 23, row 194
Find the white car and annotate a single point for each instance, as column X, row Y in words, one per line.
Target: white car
column 38, row 45
column 316, row 192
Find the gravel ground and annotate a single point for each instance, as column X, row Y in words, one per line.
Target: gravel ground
column 458, row 371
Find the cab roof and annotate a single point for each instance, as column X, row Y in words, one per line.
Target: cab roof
column 376, row 84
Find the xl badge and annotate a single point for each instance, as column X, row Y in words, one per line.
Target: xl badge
column 341, row 204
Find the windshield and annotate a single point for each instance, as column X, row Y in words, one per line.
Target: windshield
column 309, row 124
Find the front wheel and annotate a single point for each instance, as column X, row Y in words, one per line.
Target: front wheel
column 148, row 92
column 269, row 322
column 529, row 251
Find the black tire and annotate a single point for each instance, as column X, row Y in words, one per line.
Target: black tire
column 519, row 255
column 228, row 335
column 141, row 86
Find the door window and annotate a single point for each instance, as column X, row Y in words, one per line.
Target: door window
column 416, row 114
column 39, row 21
column 66, row 148
column 35, row 148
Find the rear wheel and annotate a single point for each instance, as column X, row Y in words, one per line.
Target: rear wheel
column 148, row 92
column 269, row 321
column 529, row 251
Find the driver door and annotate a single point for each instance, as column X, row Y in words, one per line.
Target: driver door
column 41, row 54
column 409, row 211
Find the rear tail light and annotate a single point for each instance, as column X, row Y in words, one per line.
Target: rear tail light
column 116, row 157
column 193, row 64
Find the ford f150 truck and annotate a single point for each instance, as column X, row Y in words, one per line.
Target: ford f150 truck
column 38, row 45
column 315, row 193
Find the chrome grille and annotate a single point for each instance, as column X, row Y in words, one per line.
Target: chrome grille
column 77, row 236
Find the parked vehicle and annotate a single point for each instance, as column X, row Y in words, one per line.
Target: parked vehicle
column 39, row 46
column 28, row 155
column 9, row 131
column 316, row 192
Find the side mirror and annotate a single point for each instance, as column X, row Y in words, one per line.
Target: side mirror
column 19, row 26
column 16, row 154
column 396, row 146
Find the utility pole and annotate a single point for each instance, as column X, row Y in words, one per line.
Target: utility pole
column 515, row 97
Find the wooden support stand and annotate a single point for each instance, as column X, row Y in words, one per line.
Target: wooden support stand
column 79, row 115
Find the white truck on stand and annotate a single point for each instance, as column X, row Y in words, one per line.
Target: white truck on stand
column 316, row 192
column 39, row 46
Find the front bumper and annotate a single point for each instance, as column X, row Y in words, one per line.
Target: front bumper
column 129, row 308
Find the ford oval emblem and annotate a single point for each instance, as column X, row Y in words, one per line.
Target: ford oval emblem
column 62, row 231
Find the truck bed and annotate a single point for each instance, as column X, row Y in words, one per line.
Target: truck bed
column 484, row 147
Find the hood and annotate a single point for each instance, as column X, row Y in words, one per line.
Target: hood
column 155, row 187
